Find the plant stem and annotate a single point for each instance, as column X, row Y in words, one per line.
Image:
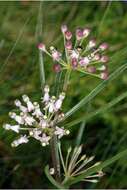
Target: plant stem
column 66, row 80
column 55, row 157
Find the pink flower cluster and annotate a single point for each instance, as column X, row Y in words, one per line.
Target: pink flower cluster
column 84, row 55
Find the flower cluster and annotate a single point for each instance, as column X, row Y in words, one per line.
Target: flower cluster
column 84, row 55
column 37, row 123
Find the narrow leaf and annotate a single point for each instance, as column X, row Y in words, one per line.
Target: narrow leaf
column 95, row 91
column 99, row 111
column 80, row 133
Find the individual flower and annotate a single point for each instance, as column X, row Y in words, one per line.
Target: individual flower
column 38, row 120
column 83, row 54
column 60, row 132
column 21, row 140
column 12, row 127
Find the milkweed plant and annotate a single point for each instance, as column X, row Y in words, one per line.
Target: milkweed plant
column 43, row 120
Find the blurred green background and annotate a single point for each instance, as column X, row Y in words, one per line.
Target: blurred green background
column 104, row 135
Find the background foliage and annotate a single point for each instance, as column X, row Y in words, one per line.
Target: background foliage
column 105, row 134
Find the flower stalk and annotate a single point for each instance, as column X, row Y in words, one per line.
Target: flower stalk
column 55, row 157
column 66, row 80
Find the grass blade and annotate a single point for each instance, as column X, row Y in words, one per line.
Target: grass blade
column 99, row 111
column 103, row 18
column 80, row 133
column 95, row 91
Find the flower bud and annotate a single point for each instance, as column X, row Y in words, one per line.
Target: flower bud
column 79, row 34
column 91, row 69
column 104, row 59
column 97, row 57
column 67, row 132
column 64, row 28
column 86, row 32
column 43, row 144
column 102, row 68
column 12, row 115
column 17, row 103
column 25, row 98
column 68, row 45
column 41, row 47
column 68, row 35
column 104, row 46
column 52, row 48
column 92, row 43
column 46, row 88
column 56, row 68
column 104, row 75
column 74, row 63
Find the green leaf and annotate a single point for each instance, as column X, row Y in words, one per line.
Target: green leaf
column 99, row 111
column 80, row 133
column 52, row 180
column 94, row 169
column 95, row 91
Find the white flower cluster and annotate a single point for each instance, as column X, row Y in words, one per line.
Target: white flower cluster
column 37, row 123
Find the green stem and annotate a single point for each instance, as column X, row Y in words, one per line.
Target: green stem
column 66, row 80
column 66, row 179
column 61, row 157
column 55, row 157
column 42, row 71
